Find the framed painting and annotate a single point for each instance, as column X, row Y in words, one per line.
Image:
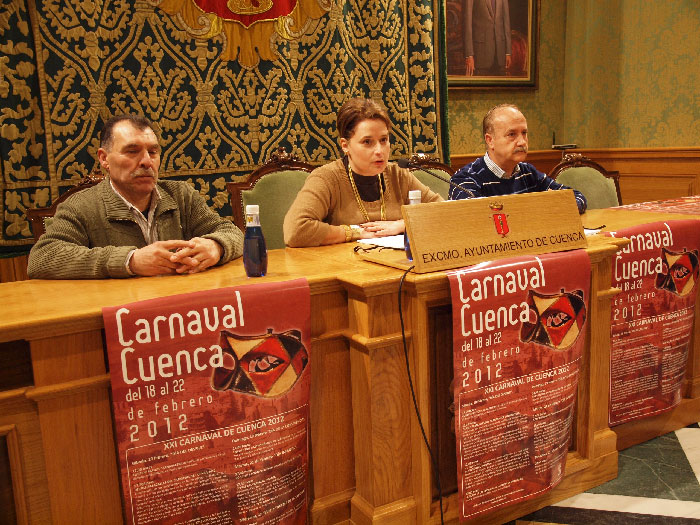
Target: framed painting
column 492, row 43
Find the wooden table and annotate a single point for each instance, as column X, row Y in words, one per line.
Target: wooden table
column 369, row 463
column 57, row 425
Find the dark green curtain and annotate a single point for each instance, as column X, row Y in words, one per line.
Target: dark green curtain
column 68, row 66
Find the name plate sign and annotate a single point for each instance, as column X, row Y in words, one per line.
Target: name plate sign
column 454, row 234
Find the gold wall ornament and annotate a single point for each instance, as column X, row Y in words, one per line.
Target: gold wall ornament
column 215, row 26
column 248, row 30
column 248, row 7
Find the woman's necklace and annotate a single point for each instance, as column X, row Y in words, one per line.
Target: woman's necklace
column 359, row 200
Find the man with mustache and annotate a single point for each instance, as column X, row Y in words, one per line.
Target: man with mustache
column 131, row 223
column 503, row 170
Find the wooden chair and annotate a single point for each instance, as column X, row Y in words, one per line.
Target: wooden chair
column 39, row 218
column 600, row 187
column 273, row 186
column 419, row 162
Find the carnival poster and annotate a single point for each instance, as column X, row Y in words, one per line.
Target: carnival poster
column 210, row 394
column 652, row 318
column 518, row 333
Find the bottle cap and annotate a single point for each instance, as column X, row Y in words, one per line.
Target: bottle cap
column 252, row 209
column 414, row 195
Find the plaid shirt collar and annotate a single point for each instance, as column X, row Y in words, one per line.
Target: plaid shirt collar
column 147, row 223
column 155, row 198
column 497, row 170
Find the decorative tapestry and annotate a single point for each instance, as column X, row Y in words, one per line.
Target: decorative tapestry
column 225, row 83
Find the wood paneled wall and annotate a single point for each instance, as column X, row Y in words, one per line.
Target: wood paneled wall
column 13, row 269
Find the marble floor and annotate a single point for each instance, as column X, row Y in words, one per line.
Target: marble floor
column 658, row 484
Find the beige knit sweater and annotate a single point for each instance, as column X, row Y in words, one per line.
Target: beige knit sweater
column 327, row 199
column 93, row 232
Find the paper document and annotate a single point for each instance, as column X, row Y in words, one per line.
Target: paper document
column 392, row 241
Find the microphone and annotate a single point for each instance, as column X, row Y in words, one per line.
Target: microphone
column 406, row 163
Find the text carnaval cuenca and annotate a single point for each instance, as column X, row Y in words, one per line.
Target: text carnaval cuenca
column 645, row 241
column 174, row 326
column 481, row 288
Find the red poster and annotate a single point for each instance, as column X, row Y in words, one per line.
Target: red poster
column 519, row 330
column 652, row 319
column 210, row 392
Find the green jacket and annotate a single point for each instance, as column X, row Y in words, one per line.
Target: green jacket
column 93, row 232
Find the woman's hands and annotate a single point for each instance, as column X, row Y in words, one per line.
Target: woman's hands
column 367, row 230
column 382, row 228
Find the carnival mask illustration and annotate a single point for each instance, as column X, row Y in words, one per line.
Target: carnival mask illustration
column 264, row 365
column 556, row 320
column 680, row 272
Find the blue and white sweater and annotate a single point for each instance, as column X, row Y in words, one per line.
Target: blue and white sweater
column 482, row 182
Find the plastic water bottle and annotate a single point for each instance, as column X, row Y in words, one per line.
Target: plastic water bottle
column 254, row 249
column 413, row 198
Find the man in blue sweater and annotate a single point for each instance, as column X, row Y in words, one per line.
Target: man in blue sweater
column 503, row 170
